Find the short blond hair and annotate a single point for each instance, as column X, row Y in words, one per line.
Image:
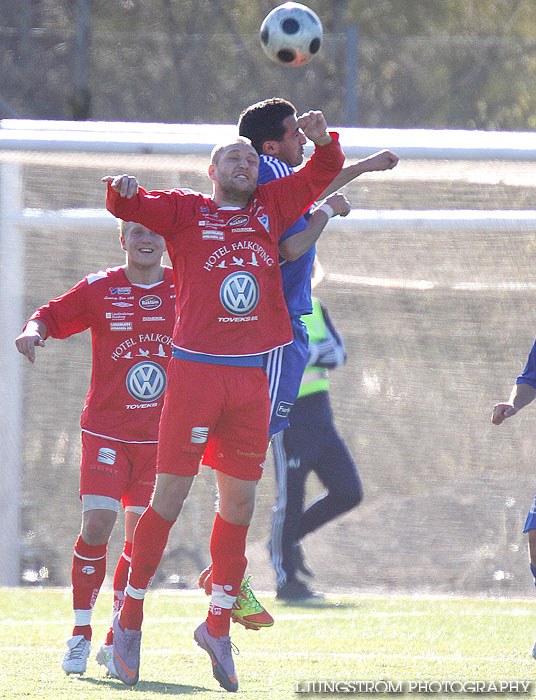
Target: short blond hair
column 124, row 226
column 219, row 147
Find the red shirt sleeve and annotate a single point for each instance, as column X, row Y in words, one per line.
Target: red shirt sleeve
column 159, row 211
column 66, row 315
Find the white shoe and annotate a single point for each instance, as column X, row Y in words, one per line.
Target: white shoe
column 75, row 659
column 104, row 658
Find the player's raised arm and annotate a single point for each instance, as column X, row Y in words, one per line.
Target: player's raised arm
column 295, row 246
column 125, row 199
column 377, row 162
column 32, row 336
column 335, row 204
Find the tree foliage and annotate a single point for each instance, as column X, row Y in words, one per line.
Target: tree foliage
column 421, row 63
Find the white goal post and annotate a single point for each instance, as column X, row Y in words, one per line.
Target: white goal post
column 44, row 137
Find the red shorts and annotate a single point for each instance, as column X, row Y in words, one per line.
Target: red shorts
column 121, row 470
column 217, row 412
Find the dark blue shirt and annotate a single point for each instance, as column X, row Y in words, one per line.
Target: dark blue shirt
column 529, row 373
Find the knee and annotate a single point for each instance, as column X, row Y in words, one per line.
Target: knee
column 170, row 493
column 240, row 514
column 237, row 499
column 97, row 526
column 238, row 511
column 350, row 497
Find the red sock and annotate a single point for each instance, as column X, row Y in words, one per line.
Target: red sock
column 228, row 551
column 150, row 539
column 120, row 582
column 87, row 574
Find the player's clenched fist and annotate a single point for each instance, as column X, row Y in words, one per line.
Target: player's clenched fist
column 125, row 185
column 502, row 411
column 314, row 126
column 382, row 160
column 340, row 205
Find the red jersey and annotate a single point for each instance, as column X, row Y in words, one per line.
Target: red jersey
column 131, row 332
column 225, row 260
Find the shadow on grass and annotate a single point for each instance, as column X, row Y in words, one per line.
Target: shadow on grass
column 146, row 686
column 314, row 603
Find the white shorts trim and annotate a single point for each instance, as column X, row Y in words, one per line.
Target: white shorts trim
column 94, row 502
column 135, row 509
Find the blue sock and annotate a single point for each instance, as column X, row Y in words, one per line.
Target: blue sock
column 533, row 572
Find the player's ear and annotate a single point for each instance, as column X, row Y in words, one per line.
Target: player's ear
column 269, row 148
column 211, row 171
column 123, row 244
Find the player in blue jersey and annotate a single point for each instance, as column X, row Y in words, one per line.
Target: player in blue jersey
column 272, row 127
column 285, row 365
column 523, row 392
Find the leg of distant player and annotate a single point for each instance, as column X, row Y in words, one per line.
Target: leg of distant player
column 291, row 474
column 337, row 471
column 530, row 529
column 532, row 554
column 88, row 572
column 306, row 447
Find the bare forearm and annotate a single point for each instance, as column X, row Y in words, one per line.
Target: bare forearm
column 382, row 160
column 294, row 247
column 344, row 177
column 522, row 394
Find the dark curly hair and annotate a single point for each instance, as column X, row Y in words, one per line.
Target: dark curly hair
column 263, row 121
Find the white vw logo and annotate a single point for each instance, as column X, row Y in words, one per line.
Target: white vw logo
column 239, row 293
column 146, row 381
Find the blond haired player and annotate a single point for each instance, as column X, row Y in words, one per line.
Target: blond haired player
column 224, row 251
column 129, row 310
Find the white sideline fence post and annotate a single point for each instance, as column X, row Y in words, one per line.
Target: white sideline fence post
column 11, row 309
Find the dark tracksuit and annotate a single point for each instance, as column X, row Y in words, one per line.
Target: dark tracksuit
column 311, row 443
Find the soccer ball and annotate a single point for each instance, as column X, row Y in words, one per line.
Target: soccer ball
column 291, row 34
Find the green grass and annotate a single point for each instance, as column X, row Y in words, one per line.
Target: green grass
column 346, row 639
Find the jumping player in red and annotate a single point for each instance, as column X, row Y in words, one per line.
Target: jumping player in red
column 224, row 252
column 130, row 311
